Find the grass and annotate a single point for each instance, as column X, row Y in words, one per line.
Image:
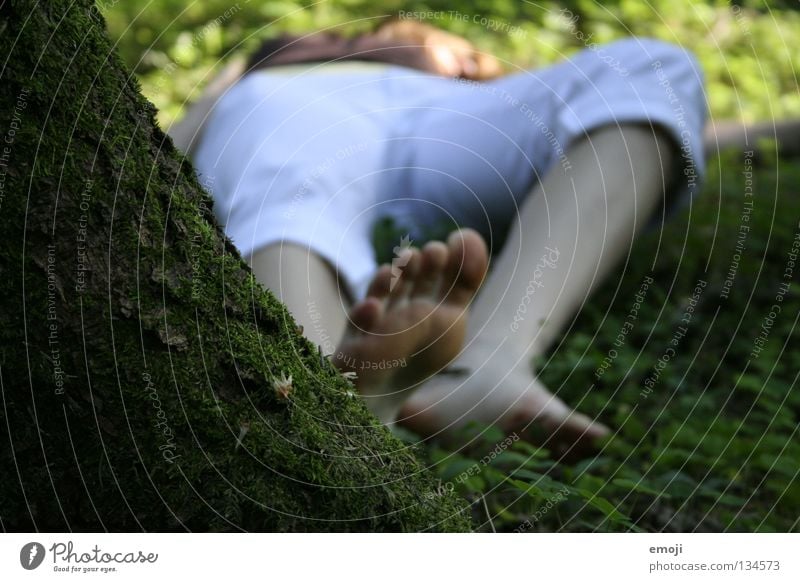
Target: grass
column 713, row 445
column 707, row 439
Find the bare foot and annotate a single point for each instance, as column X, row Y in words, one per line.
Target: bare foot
column 412, row 322
column 500, row 390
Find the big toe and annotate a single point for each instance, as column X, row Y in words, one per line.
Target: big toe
column 466, row 265
column 547, row 421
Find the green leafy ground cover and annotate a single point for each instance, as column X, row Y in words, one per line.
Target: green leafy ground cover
column 714, row 444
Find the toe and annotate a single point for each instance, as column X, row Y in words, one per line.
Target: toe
column 365, row 314
column 404, row 271
column 466, row 265
column 434, row 260
column 379, row 287
column 578, row 436
column 547, row 421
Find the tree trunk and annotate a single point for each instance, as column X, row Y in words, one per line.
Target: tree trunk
column 137, row 351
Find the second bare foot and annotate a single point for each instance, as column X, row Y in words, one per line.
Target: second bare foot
column 495, row 389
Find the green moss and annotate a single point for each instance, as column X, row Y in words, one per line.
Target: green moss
column 164, row 417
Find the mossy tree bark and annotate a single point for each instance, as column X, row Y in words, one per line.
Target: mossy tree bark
column 136, row 349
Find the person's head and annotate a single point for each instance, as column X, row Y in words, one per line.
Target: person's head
column 452, row 55
column 402, row 42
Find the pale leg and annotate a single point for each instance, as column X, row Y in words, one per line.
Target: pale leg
column 410, row 325
column 307, row 285
column 570, row 233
